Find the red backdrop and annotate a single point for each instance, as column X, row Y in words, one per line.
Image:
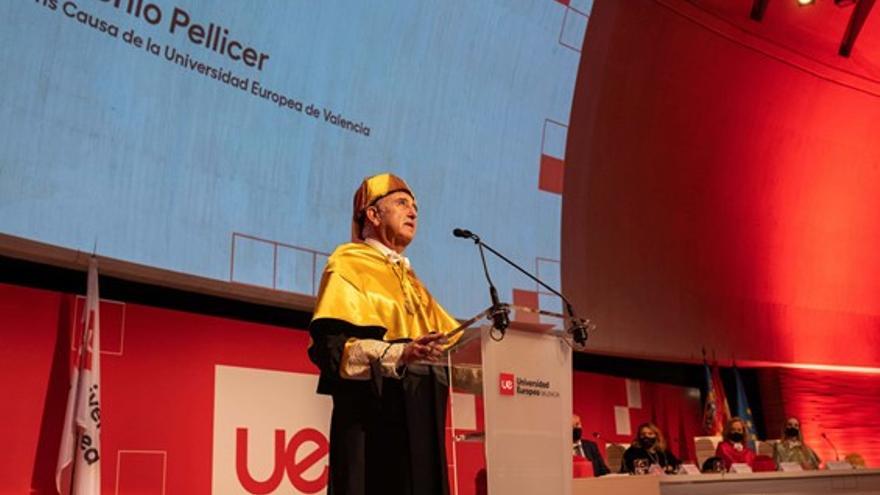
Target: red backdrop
column 676, row 410
column 720, row 188
column 842, row 406
column 157, row 387
column 719, row 191
column 158, row 391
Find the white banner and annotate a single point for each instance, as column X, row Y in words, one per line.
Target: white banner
column 270, row 433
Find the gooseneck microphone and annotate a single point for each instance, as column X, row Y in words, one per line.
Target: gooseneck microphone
column 499, row 312
column 836, row 454
column 578, row 328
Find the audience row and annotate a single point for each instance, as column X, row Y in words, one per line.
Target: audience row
column 649, row 452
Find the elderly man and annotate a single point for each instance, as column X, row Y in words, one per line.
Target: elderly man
column 373, row 323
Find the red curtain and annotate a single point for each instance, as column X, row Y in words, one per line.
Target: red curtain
column 842, row 406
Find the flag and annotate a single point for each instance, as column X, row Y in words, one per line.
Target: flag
column 79, row 458
column 710, row 406
column 715, row 409
column 742, row 408
column 720, row 396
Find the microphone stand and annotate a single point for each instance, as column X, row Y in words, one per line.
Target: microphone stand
column 499, row 312
column 578, row 328
column 836, row 454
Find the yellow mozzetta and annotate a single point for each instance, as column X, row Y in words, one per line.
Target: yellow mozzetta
column 364, row 288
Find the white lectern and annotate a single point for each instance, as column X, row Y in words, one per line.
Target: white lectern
column 510, row 403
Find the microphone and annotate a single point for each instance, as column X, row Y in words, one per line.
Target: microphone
column 463, row 233
column 579, row 326
column 836, row 454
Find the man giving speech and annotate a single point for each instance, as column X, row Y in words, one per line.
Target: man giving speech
column 374, row 323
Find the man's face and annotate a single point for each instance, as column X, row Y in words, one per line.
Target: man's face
column 395, row 219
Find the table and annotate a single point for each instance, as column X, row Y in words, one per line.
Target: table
column 823, row 482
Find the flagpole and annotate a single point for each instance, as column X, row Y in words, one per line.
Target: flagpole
column 72, row 484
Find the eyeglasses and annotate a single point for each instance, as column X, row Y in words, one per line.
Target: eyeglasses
column 402, row 202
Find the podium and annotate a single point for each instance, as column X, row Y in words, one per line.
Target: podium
column 510, row 406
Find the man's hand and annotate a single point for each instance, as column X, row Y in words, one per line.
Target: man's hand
column 425, row 348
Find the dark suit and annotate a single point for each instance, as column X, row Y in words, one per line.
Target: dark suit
column 590, row 451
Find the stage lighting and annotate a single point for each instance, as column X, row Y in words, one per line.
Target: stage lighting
column 804, row 3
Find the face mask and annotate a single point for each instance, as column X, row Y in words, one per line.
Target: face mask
column 737, row 437
column 792, row 432
column 576, row 433
column 647, row 442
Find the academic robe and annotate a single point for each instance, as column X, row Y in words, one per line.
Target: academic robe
column 387, row 433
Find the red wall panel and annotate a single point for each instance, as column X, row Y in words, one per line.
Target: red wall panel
column 676, row 410
column 30, row 322
column 158, row 392
column 719, row 191
column 158, row 395
column 720, row 184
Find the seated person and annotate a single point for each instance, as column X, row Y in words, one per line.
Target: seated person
column 856, row 460
column 648, row 453
column 712, row 465
column 734, row 448
column 587, row 449
column 792, row 447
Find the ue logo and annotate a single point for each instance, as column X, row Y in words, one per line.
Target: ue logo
column 285, row 461
column 505, row 384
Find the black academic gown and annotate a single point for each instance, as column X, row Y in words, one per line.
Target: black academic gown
column 387, row 435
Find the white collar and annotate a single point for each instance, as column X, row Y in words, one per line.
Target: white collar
column 389, row 253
